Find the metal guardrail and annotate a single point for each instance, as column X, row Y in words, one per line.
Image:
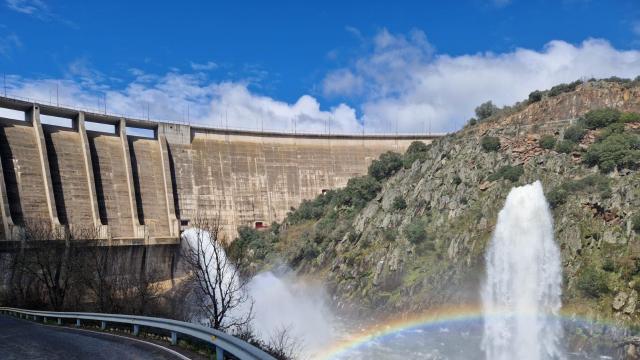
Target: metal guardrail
column 223, row 343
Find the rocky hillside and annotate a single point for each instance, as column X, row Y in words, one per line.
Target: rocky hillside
column 412, row 234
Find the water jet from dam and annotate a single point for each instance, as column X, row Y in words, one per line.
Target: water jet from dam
column 521, row 296
column 277, row 300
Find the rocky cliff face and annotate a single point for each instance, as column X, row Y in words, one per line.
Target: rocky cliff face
column 428, row 250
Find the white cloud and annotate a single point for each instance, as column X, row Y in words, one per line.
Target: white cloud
column 354, row 32
column 171, row 96
column 8, row 43
column 405, row 82
column 342, row 82
column 29, row 7
column 401, row 81
column 635, row 28
column 37, row 9
column 209, row 65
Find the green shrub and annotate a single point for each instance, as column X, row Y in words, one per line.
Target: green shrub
column 415, row 231
column 309, row 248
column 389, row 234
column 557, row 196
column 417, row 147
column 563, row 88
column 608, row 265
column 565, row 146
column 416, row 151
column 629, row 117
column 535, row 96
column 592, row 282
column 629, row 266
column 308, row 210
column 472, row 121
column 600, row 118
column 615, row 128
column 547, row 142
column 574, row 133
column 508, row 172
column 388, row 164
column 399, row 203
column 589, row 183
column 358, row 192
column 616, row 79
column 485, row 110
column 616, row 150
column 635, row 223
column 457, row 180
column 490, row 143
column 592, row 183
column 250, row 239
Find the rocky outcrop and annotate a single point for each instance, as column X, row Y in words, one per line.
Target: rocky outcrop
column 376, row 265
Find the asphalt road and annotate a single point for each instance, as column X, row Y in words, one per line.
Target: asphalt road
column 22, row 339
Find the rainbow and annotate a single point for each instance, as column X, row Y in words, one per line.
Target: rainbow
column 432, row 318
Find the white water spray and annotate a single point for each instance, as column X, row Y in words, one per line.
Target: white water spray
column 521, row 297
column 278, row 302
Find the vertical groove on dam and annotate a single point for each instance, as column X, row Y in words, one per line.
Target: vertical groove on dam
column 22, row 173
column 146, row 164
column 111, row 183
column 68, row 176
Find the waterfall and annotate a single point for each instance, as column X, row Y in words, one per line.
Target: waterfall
column 521, row 296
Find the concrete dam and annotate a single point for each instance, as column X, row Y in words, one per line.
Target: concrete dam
column 142, row 190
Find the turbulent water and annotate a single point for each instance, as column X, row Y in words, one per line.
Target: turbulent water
column 521, row 297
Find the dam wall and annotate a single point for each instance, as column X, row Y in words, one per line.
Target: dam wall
column 141, row 182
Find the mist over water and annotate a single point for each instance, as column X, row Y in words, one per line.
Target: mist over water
column 285, row 301
column 280, row 300
column 521, row 296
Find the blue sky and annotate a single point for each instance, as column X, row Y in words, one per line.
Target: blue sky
column 347, row 63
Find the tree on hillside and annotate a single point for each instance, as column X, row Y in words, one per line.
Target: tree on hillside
column 221, row 292
column 485, row 110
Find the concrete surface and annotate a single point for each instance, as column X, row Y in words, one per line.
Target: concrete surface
column 144, row 188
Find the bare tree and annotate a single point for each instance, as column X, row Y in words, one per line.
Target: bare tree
column 52, row 257
column 20, row 288
column 98, row 278
column 221, row 292
column 282, row 345
column 115, row 291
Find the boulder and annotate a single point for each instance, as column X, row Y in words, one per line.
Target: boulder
column 619, row 300
column 631, row 303
column 485, row 185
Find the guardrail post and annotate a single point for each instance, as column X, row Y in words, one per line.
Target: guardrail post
column 77, row 322
column 44, row 319
column 136, row 329
column 219, row 353
column 59, row 321
column 103, row 325
column 174, row 338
